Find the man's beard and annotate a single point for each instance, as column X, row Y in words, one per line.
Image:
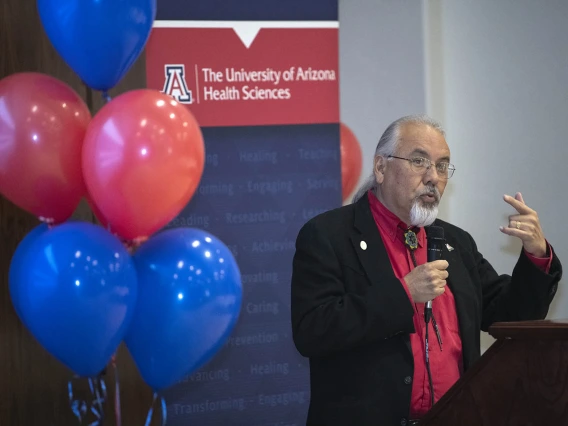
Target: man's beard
column 422, row 213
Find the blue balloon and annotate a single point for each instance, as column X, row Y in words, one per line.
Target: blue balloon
column 77, row 289
column 17, row 263
column 189, row 301
column 99, row 39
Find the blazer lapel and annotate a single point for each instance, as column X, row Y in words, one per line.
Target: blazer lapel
column 369, row 246
column 372, row 254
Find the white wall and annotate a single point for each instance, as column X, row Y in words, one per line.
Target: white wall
column 500, row 82
column 495, row 73
column 381, row 67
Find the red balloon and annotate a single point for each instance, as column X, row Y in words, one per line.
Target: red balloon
column 42, row 126
column 143, row 158
column 351, row 160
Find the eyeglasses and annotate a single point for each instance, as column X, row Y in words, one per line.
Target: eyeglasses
column 444, row 169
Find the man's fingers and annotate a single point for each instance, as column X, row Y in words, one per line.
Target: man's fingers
column 519, row 197
column 518, row 224
column 517, row 205
column 514, row 232
column 521, row 218
column 523, row 221
column 523, row 225
column 440, row 264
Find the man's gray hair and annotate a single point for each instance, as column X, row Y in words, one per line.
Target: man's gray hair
column 388, row 143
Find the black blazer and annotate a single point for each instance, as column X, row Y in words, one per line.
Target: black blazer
column 352, row 317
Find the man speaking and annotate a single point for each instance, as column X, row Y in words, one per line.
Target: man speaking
column 388, row 301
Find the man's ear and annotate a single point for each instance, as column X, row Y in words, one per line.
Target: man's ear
column 379, row 166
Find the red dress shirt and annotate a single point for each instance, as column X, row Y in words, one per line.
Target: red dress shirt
column 446, row 366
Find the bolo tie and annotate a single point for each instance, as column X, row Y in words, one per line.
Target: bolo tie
column 411, row 241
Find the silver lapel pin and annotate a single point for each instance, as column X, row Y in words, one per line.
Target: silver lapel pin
column 450, row 248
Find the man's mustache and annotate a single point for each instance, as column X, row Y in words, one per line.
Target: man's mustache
column 430, row 190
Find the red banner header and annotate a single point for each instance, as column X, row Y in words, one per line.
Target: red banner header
column 284, row 76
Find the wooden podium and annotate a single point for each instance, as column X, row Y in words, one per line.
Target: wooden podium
column 521, row 380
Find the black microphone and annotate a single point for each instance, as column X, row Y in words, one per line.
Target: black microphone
column 435, row 238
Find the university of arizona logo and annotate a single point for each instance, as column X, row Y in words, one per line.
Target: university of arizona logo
column 175, row 84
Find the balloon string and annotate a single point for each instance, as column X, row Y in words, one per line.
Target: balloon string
column 94, row 385
column 117, row 409
column 106, row 97
column 134, row 244
column 164, row 412
column 101, row 400
column 47, row 220
column 79, row 408
column 151, row 410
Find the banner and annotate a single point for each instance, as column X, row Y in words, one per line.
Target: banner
column 251, row 73
column 262, row 79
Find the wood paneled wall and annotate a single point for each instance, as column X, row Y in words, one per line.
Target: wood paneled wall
column 33, row 385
